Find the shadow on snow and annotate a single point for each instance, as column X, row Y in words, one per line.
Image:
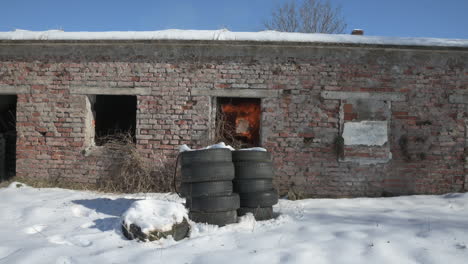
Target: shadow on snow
column 113, row 208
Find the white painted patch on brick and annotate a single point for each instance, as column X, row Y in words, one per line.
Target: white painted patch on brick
column 368, row 133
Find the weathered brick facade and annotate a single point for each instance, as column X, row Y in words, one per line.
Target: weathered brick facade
column 309, row 92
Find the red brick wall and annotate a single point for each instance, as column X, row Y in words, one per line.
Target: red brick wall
column 299, row 127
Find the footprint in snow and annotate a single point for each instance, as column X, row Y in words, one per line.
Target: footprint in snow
column 81, row 242
column 64, row 260
column 79, row 211
column 34, row 229
column 59, row 240
column 74, row 241
column 460, row 246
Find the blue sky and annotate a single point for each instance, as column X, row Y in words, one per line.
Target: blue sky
column 409, row 18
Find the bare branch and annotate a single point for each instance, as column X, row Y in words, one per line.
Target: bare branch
column 308, row 16
column 284, row 18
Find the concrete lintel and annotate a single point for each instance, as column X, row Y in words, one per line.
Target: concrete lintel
column 458, row 99
column 110, row 91
column 383, row 96
column 8, row 89
column 368, row 161
column 254, row 93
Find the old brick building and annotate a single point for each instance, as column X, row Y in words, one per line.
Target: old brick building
column 342, row 115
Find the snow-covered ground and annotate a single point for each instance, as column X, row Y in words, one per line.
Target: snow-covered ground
column 65, row 226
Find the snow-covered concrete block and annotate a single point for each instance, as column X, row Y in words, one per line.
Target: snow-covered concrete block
column 149, row 220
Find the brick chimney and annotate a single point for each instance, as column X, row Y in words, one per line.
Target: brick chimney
column 359, row 32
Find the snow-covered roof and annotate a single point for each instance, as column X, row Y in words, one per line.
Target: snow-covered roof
column 226, row 35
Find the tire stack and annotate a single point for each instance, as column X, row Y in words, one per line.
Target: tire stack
column 254, row 183
column 207, row 186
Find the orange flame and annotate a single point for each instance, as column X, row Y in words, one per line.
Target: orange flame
column 247, row 118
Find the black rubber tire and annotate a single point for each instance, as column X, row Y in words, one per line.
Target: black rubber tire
column 205, row 155
column 208, row 171
column 249, row 155
column 260, row 213
column 218, row 218
column 253, row 170
column 259, row 199
column 211, row 204
column 254, row 185
column 182, row 189
column 216, row 188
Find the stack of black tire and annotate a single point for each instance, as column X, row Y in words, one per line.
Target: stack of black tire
column 207, row 186
column 254, row 183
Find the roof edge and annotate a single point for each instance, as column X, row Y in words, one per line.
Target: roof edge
column 223, row 36
column 234, row 43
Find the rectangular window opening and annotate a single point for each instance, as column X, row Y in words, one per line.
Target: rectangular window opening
column 7, row 136
column 114, row 118
column 238, row 121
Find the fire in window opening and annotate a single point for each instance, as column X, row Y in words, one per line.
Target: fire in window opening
column 238, row 121
column 114, row 117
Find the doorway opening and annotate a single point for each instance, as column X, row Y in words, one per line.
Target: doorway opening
column 7, row 136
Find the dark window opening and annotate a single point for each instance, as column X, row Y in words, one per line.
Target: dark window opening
column 238, row 121
column 115, row 118
column 7, row 136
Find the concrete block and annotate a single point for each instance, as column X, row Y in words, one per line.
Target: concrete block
column 110, row 91
column 385, row 96
column 458, row 98
column 8, row 89
column 254, row 93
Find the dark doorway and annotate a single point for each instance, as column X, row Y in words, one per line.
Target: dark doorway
column 115, row 117
column 7, row 136
column 238, row 121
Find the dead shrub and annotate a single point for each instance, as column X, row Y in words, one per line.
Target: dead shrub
column 130, row 172
column 226, row 132
column 295, row 193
